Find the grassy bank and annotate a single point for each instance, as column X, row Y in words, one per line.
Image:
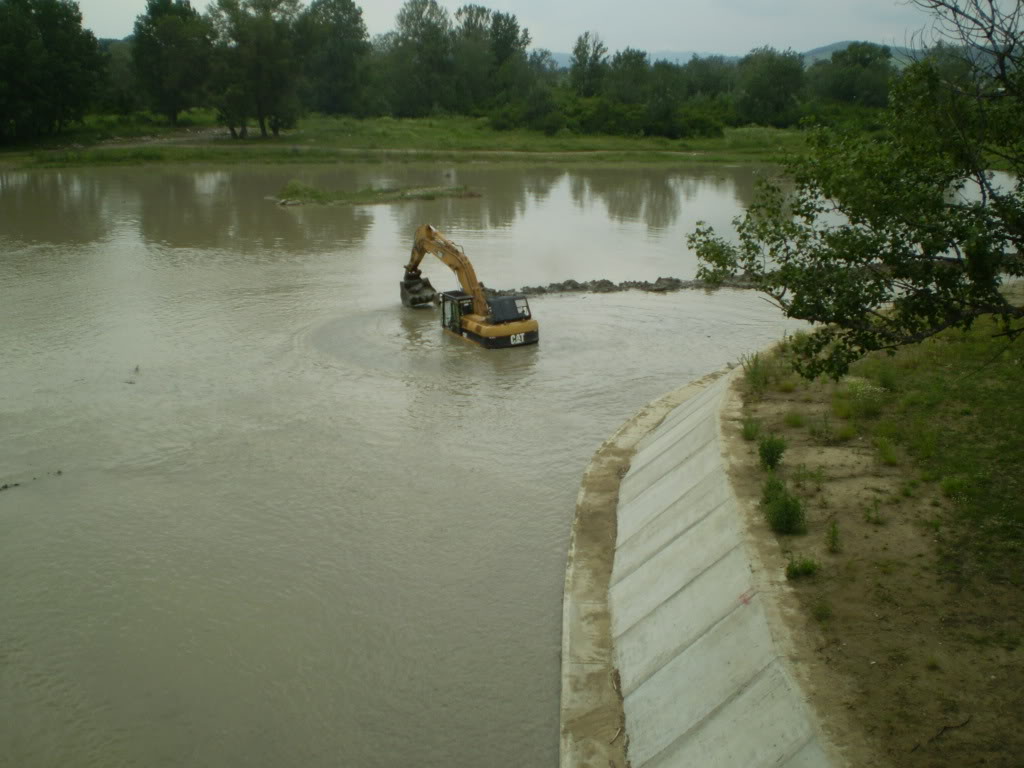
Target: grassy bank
column 319, row 139
column 896, row 495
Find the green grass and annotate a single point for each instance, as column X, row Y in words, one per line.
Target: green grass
column 886, row 451
column 832, row 541
column 952, row 404
column 751, row 428
column 794, row 419
column 320, row 139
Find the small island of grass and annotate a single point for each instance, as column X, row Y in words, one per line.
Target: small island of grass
column 295, row 192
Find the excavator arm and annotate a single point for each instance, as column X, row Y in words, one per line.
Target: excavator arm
column 417, row 289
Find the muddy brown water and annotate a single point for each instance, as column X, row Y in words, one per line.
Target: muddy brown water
column 266, row 515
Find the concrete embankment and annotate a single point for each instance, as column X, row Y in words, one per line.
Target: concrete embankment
column 672, row 654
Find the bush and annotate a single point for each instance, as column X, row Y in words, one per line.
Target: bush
column 799, row 568
column 866, row 400
column 783, row 511
column 770, row 448
column 751, row 428
column 757, row 372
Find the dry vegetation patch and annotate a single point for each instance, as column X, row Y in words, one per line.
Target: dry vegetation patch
column 909, row 572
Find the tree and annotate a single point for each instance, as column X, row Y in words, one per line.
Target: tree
column 628, row 77
column 588, row 65
column 507, row 38
column 473, row 61
column 769, row 82
column 886, row 241
column 422, row 63
column 335, row 45
column 257, row 69
column 120, row 90
column 50, row 68
column 171, row 55
column 710, row 76
column 858, row 74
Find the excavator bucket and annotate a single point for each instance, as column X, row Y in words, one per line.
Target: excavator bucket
column 417, row 291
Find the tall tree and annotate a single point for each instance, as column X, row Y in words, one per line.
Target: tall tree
column 629, row 77
column 588, row 65
column 423, row 63
column 257, row 66
column 887, row 240
column 120, row 90
column 769, row 83
column 507, row 38
column 709, row 76
column 472, row 59
column 335, row 46
column 858, row 74
column 171, row 53
column 50, row 68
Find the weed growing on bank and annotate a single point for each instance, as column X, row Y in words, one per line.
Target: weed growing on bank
column 771, row 448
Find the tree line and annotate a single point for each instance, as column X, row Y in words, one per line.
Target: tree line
column 263, row 63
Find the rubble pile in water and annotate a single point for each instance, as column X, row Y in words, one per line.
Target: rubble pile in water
column 661, row 285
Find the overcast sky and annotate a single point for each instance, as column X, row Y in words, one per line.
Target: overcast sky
column 731, row 27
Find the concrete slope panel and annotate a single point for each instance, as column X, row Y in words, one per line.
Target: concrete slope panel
column 681, row 620
column 672, row 522
column 698, row 433
column 763, row 725
column 696, row 404
column 668, row 489
column 693, row 685
column 671, row 569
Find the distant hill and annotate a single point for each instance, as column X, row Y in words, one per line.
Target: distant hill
column 901, row 56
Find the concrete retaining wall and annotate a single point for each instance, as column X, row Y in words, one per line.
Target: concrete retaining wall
column 671, row 657
column 703, row 683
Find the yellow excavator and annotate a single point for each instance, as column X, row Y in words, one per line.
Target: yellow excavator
column 496, row 322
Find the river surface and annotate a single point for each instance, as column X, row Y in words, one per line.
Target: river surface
column 266, row 516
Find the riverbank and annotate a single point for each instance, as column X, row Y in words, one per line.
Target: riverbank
column 907, row 568
column 319, row 139
column 900, row 586
column 662, row 592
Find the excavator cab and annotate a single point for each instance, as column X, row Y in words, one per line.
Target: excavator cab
column 455, row 304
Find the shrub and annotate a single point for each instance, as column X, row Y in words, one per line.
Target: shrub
column 756, row 372
column 772, row 489
column 804, row 566
column 751, row 428
column 794, row 419
column 783, row 511
column 770, row 448
column 866, row 400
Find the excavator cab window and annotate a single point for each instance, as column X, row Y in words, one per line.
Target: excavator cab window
column 454, row 304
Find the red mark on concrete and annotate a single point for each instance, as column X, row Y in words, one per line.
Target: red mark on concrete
column 747, row 596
